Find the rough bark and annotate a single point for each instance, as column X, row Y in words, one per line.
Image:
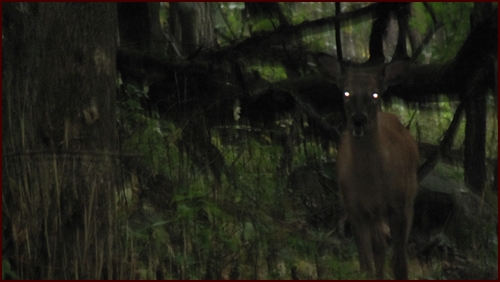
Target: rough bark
column 60, row 139
column 192, row 25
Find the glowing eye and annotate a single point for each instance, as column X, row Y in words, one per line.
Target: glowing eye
column 375, row 95
column 347, row 94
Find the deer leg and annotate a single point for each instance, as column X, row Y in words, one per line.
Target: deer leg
column 409, row 218
column 379, row 246
column 399, row 231
column 362, row 236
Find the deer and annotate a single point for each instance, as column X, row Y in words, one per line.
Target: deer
column 377, row 163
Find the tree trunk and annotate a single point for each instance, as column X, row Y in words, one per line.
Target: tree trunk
column 475, row 141
column 60, row 139
column 140, row 26
column 191, row 23
column 475, row 115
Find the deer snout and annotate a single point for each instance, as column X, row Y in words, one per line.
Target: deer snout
column 358, row 120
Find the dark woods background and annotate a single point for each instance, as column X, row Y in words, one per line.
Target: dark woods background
column 198, row 140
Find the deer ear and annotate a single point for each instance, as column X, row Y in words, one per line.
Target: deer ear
column 328, row 66
column 394, row 72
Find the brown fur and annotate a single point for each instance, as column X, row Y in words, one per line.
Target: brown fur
column 377, row 164
column 377, row 171
column 377, row 175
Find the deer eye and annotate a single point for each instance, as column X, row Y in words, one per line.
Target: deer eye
column 347, row 94
column 375, row 96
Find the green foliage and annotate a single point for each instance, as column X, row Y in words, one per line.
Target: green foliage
column 439, row 114
column 145, row 132
column 273, row 73
column 455, row 17
column 163, row 15
column 421, row 19
column 250, row 217
column 7, row 272
column 229, row 20
column 450, row 172
column 265, row 25
column 316, row 42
